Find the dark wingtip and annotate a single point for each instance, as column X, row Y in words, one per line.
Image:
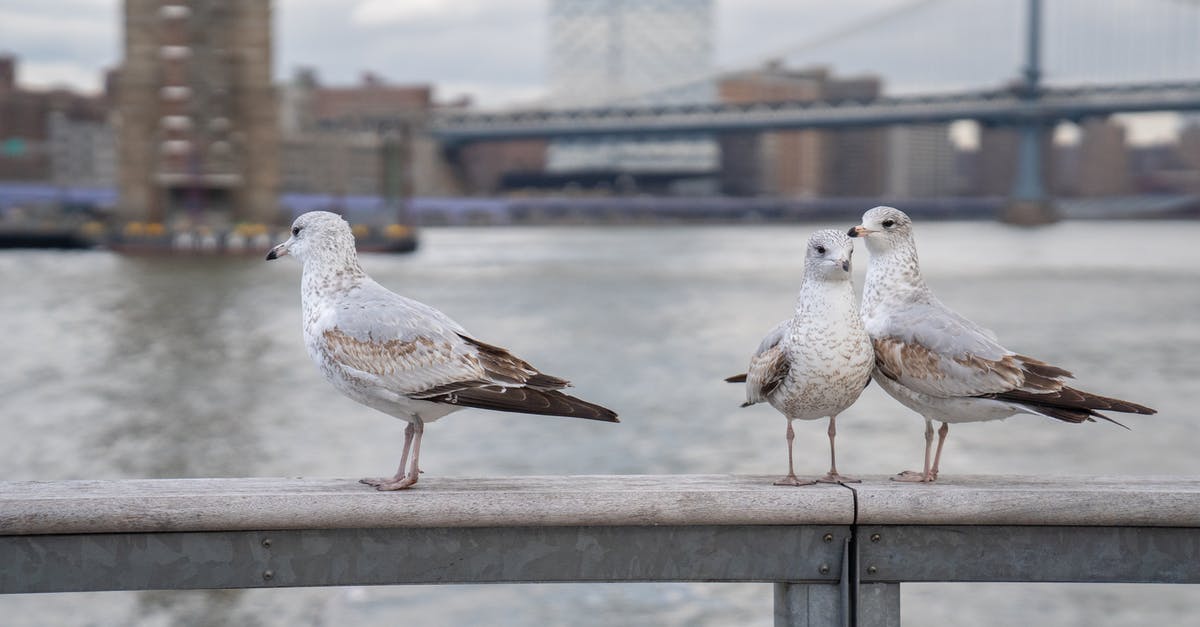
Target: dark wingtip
column 737, row 378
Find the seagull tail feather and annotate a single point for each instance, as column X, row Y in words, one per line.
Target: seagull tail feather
column 525, row 400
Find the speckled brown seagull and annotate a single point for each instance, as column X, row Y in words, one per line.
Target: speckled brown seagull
column 943, row 366
column 404, row 358
column 817, row 363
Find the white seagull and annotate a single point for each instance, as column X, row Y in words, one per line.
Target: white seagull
column 404, row 358
column 817, row 363
column 943, row 366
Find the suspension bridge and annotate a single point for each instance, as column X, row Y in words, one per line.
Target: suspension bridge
column 1030, row 104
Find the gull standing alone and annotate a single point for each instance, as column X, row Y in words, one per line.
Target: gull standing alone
column 816, row 364
column 943, row 366
column 404, row 358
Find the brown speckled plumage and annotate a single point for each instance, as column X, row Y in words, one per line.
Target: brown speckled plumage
column 943, row 366
column 403, row 357
column 815, row 364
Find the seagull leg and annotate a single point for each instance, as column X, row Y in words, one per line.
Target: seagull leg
column 833, row 476
column 791, row 478
column 937, row 457
column 400, row 472
column 911, row 476
column 410, row 477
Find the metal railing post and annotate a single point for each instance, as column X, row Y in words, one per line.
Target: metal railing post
column 808, row 605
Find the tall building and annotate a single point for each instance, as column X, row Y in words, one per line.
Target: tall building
column 198, row 135
column 330, row 147
column 1103, row 159
column 921, row 162
column 608, row 52
column 997, row 163
column 801, row 163
column 41, row 130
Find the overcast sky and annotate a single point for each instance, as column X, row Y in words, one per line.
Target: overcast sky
column 494, row 50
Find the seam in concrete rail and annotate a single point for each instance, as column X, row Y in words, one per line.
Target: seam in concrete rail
column 850, row 564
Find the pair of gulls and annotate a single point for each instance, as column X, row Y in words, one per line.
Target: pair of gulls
column 413, row 362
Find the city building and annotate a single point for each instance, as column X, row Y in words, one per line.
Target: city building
column 801, row 163
column 1103, row 159
column 197, row 114
column 40, row 129
column 614, row 52
column 921, row 162
column 332, row 143
column 997, row 161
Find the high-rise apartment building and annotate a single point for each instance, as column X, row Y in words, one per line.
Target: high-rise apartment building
column 921, row 162
column 801, row 163
column 1103, row 159
column 607, row 52
column 198, row 134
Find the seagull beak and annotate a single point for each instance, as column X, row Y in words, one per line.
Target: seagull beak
column 846, row 265
column 277, row 252
column 858, row 231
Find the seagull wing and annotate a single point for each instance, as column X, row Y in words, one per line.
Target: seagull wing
column 768, row 367
column 400, row 346
column 930, row 349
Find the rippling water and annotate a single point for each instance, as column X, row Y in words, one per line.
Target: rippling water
column 123, row 367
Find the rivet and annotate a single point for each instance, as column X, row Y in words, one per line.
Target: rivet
column 871, row 570
column 824, row 568
column 874, row 537
column 268, row 575
column 828, row 537
column 266, row 543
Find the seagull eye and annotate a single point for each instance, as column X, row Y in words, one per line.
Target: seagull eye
column 821, row 249
column 887, row 224
column 295, row 230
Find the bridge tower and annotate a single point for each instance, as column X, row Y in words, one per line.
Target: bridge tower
column 1028, row 203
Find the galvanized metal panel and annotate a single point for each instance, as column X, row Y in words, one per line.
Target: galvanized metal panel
column 808, row 605
column 878, row 605
column 338, row 557
column 1029, row 554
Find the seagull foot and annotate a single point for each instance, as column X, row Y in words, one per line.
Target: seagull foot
column 389, row 483
column 912, row 476
column 792, row 480
column 834, row 477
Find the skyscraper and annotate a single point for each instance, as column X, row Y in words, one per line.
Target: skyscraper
column 607, row 52
column 198, row 132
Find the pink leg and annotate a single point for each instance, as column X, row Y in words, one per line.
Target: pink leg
column 833, row 476
column 405, row 477
column 402, row 470
column 791, row 479
column 937, row 457
column 926, row 475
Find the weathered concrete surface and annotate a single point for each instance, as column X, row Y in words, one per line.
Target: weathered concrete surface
column 59, row 507
column 176, row 505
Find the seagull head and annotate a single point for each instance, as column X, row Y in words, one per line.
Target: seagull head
column 316, row 234
column 828, row 255
column 883, row 228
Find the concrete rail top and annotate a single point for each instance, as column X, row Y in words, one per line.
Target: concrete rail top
column 179, row 505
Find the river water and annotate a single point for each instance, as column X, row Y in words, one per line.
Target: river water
column 157, row 368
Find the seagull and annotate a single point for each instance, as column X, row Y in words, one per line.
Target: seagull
column 943, row 366
column 401, row 357
column 817, row 363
